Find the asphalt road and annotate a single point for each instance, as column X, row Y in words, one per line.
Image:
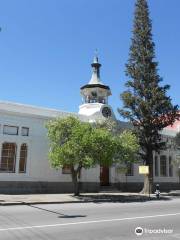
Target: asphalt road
column 107, row 221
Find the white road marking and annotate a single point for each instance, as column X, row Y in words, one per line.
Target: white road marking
column 86, row 222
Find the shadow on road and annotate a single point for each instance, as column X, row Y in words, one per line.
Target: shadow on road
column 72, row 216
column 60, row 215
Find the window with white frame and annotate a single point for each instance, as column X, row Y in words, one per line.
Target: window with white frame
column 8, row 157
column 24, row 131
column 10, row 130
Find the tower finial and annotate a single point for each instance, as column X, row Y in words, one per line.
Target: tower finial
column 95, row 56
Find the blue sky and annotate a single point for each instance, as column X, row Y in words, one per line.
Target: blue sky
column 46, row 48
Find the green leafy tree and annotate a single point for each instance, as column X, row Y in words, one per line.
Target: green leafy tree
column 78, row 145
column 127, row 147
column 146, row 103
column 82, row 145
column 70, row 143
column 125, row 142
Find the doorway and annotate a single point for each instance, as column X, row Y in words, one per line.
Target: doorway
column 104, row 176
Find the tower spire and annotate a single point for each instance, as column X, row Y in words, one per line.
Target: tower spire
column 95, row 79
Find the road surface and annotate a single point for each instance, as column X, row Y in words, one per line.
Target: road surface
column 92, row 221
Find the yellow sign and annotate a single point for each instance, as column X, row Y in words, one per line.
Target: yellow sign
column 143, row 169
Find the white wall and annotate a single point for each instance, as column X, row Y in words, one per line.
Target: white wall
column 38, row 167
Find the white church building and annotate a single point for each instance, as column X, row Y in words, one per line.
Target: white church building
column 24, row 165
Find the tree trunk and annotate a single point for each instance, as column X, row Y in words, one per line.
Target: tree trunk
column 147, row 188
column 75, row 183
column 76, row 187
column 148, row 179
column 75, row 179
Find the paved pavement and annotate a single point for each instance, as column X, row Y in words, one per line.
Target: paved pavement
column 6, row 199
column 91, row 221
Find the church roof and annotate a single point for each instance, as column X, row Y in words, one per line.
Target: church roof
column 95, row 80
column 95, row 85
column 33, row 111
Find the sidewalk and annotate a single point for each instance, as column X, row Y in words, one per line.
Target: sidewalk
column 6, row 199
column 85, row 197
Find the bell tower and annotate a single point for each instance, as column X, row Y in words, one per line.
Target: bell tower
column 95, row 96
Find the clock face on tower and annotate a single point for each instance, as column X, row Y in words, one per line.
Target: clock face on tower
column 106, row 112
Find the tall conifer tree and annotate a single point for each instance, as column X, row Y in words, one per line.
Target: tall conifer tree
column 146, row 103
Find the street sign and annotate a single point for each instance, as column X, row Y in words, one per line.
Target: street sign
column 143, row 169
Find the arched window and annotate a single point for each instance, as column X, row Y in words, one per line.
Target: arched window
column 23, row 158
column 8, row 157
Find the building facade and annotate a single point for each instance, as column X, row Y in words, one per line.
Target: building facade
column 24, row 165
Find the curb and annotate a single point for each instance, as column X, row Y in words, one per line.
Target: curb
column 37, row 202
column 80, row 201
